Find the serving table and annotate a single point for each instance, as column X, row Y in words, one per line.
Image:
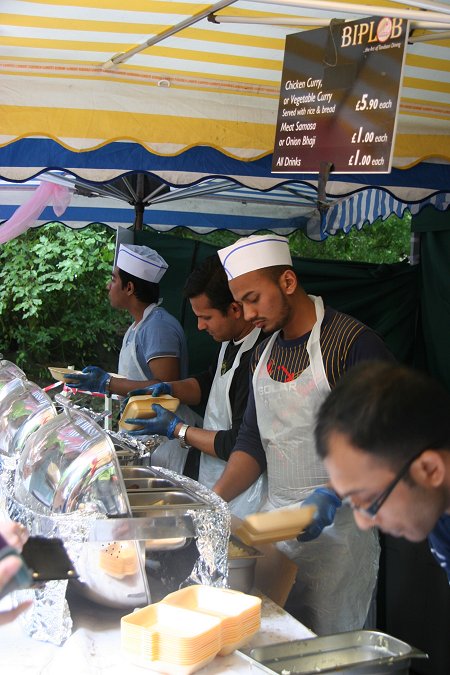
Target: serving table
column 94, row 646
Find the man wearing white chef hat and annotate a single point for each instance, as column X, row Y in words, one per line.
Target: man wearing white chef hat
column 292, row 372
column 154, row 347
column 142, row 262
column 223, row 387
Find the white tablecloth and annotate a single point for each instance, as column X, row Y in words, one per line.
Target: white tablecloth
column 94, row 646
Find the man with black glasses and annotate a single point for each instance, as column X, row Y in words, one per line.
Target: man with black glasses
column 384, row 436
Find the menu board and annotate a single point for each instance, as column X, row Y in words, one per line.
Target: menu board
column 339, row 97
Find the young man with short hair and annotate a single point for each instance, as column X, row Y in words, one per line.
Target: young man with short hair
column 154, row 347
column 223, row 387
column 292, row 372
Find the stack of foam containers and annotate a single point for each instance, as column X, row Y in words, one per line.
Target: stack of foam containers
column 189, row 628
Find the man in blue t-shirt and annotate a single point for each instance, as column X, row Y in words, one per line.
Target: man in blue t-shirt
column 384, row 436
column 154, row 347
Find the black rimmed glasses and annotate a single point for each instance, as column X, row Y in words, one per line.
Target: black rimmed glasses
column 372, row 510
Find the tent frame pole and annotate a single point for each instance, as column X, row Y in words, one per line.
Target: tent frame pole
column 125, row 56
column 317, row 23
column 364, row 10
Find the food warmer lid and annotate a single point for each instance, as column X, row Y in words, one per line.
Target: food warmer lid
column 23, row 408
column 70, row 465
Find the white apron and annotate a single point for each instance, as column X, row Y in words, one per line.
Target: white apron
column 218, row 416
column 337, row 571
column 169, row 454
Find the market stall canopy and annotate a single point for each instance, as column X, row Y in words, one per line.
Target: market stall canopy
column 160, row 74
column 189, row 92
column 222, row 203
column 213, row 204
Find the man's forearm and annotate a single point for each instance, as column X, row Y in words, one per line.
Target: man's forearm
column 241, row 471
column 188, row 391
column 122, row 386
column 202, row 439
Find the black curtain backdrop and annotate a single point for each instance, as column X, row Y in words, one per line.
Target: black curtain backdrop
column 433, row 338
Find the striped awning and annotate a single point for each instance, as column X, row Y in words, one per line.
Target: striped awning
column 223, row 203
column 192, row 75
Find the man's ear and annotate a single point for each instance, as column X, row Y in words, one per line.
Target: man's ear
column 130, row 288
column 428, row 470
column 288, row 282
column 236, row 309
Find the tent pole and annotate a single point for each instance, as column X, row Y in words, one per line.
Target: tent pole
column 124, row 56
column 139, row 216
column 364, row 10
column 139, row 206
column 301, row 22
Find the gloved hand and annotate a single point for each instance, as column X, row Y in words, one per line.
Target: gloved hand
column 326, row 502
column 163, row 424
column 92, row 378
column 154, row 389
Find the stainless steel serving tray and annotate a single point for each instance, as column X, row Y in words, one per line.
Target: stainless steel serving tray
column 362, row 652
column 148, row 489
column 149, row 500
column 140, row 484
column 158, row 513
column 240, row 551
column 129, row 472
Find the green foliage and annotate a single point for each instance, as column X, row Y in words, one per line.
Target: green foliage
column 386, row 241
column 54, row 307
column 53, row 300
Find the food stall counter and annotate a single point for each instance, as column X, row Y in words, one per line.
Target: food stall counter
column 94, row 646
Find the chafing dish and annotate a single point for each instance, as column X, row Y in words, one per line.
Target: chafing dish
column 74, row 480
column 362, row 652
column 69, row 467
column 67, row 478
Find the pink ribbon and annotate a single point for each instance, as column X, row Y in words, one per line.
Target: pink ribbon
column 27, row 214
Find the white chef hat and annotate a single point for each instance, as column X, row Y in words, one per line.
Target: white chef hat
column 253, row 253
column 142, row 262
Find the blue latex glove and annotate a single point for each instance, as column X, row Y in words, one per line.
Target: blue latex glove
column 163, row 424
column 154, row 389
column 157, row 389
column 326, row 502
column 92, row 378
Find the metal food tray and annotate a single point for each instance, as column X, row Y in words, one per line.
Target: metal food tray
column 148, row 500
column 138, row 484
column 245, row 551
column 129, row 472
column 360, row 652
column 158, row 513
column 145, row 486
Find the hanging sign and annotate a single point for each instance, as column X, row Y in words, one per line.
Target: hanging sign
column 339, row 97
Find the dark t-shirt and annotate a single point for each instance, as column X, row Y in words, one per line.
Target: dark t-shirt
column 439, row 540
column 224, row 440
column 344, row 342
